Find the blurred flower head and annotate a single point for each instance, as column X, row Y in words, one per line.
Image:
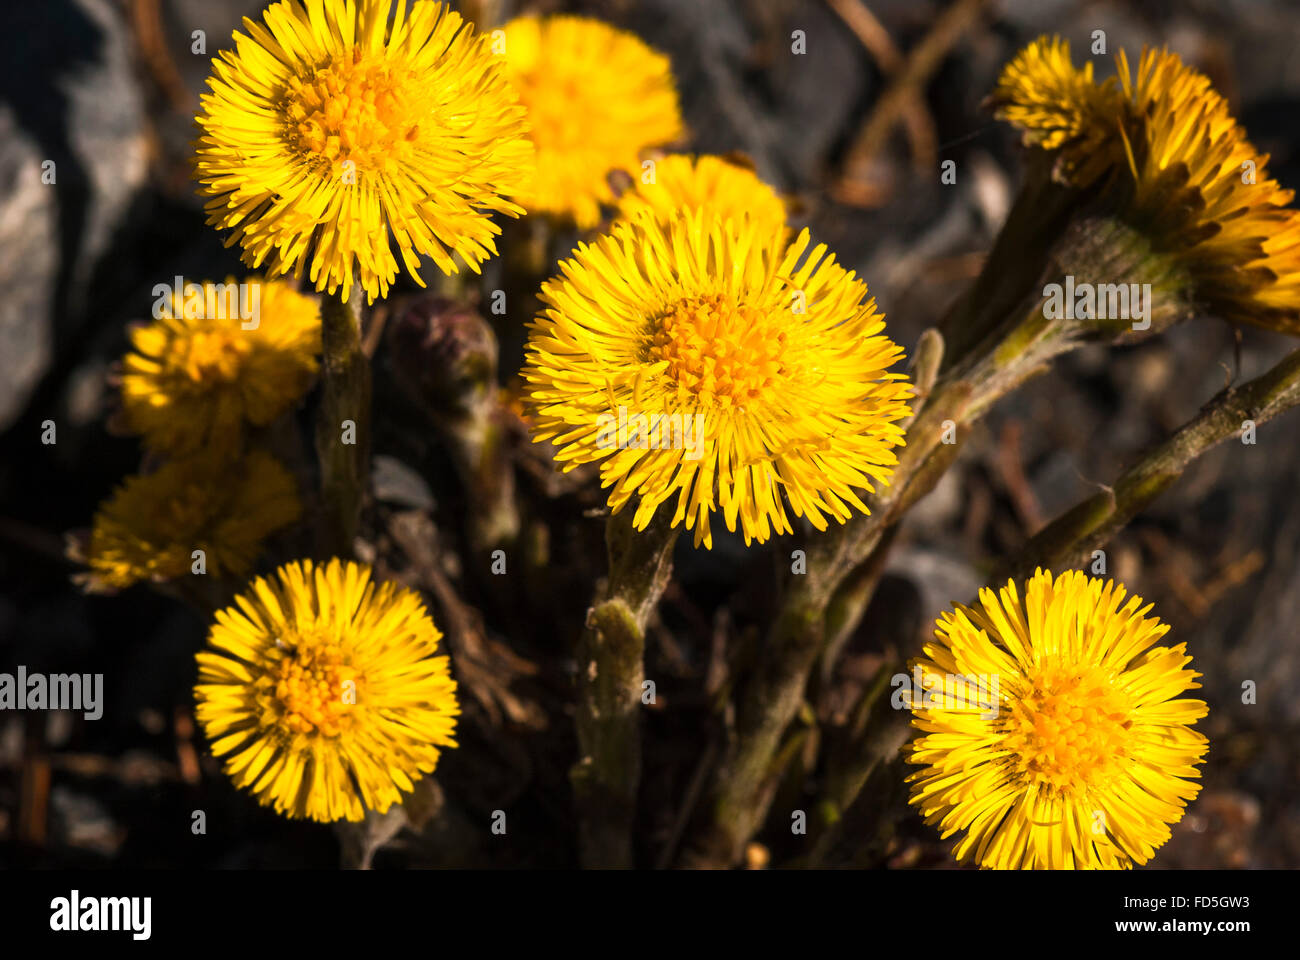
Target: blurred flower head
column 321, row 690
column 196, row 377
column 331, row 132
column 716, row 361
column 1184, row 172
column 1053, row 732
column 151, row 526
column 596, row 98
column 684, row 183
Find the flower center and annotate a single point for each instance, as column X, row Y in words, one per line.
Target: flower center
column 213, row 356
column 358, row 109
column 717, row 351
column 1072, row 729
column 315, row 689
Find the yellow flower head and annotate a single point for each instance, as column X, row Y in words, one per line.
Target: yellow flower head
column 685, row 183
column 596, row 97
column 329, row 128
column 321, row 690
column 150, row 528
column 1053, row 732
column 1188, row 176
column 1203, row 191
column 713, row 360
column 202, row 371
column 1061, row 109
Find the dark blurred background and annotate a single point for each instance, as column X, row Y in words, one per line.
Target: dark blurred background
column 107, row 90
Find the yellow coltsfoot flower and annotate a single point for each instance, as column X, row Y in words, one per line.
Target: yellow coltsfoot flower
column 596, row 98
column 153, row 524
column 1203, row 192
column 1053, row 732
column 197, row 377
column 1061, row 109
column 1185, row 173
column 330, row 129
column 321, row 690
column 683, row 183
column 716, row 361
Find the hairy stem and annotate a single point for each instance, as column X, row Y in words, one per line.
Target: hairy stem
column 1069, row 540
column 343, row 424
column 611, row 659
column 875, row 735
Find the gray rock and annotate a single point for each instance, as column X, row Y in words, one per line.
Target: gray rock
column 68, row 80
column 396, row 483
column 106, row 129
column 217, row 19
column 82, row 821
column 789, row 121
column 941, row 578
column 29, row 237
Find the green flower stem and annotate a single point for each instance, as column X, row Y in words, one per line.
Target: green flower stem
column 874, row 736
column 529, row 254
column 850, row 602
column 851, row 598
column 1019, row 256
column 1017, row 349
column 345, row 372
column 1068, row 542
column 481, row 451
column 611, row 665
